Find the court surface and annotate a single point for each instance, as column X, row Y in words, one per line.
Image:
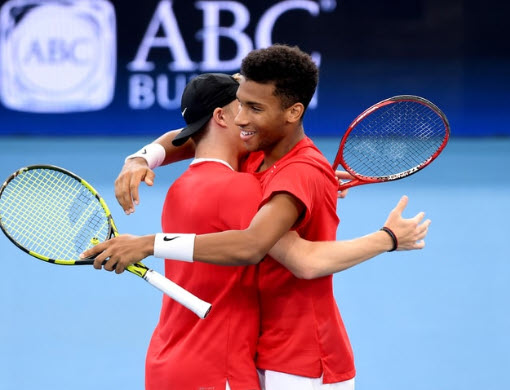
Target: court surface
column 436, row 319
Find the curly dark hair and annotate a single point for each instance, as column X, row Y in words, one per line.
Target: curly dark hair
column 292, row 71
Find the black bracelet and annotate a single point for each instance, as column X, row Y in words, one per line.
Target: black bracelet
column 393, row 237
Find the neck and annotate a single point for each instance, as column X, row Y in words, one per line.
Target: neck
column 217, row 150
column 284, row 146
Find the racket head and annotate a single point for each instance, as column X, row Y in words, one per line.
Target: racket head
column 53, row 214
column 392, row 139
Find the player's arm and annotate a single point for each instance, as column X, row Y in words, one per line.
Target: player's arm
column 249, row 246
column 231, row 247
column 139, row 167
column 309, row 260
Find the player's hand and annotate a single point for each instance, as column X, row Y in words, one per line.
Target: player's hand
column 134, row 171
column 410, row 232
column 341, row 177
column 121, row 251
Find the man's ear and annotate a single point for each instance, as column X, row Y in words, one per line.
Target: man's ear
column 219, row 116
column 295, row 112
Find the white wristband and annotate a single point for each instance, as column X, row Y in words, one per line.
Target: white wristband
column 153, row 153
column 174, row 246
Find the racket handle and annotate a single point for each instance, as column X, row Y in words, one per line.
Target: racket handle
column 178, row 294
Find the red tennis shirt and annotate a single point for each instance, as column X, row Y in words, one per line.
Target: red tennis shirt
column 188, row 353
column 302, row 332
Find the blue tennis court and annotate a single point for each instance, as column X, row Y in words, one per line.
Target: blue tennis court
column 433, row 319
column 85, row 83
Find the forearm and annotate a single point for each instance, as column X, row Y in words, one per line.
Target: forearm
column 249, row 246
column 161, row 151
column 233, row 247
column 309, row 260
column 242, row 247
column 175, row 153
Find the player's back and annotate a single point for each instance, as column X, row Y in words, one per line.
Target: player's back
column 186, row 351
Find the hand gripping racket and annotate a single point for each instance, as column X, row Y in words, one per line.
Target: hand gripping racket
column 391, row 140
column 54, row 215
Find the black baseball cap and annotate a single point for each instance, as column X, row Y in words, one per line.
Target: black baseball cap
column 200, row 98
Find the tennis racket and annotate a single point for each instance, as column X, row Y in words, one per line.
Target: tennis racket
column 391, row 140
column 54, row 215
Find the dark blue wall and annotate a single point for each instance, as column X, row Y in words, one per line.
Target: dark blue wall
column 451, row 52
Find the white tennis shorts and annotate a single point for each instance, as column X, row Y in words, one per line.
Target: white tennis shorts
column 273, row 380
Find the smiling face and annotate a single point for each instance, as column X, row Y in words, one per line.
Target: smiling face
column 236, row 143
column 264, row 123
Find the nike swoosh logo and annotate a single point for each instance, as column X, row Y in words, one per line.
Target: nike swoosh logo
column 169, row 238
column 144, row 151
column 184, row 112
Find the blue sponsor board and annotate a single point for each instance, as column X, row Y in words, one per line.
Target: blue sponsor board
column 114, row 68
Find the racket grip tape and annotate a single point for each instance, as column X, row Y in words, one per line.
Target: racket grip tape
column 178, row 294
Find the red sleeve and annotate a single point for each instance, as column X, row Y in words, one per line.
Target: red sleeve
column 301, row 180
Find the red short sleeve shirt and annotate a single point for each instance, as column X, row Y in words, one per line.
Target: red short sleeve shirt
column 302, row 332
column 186, row 352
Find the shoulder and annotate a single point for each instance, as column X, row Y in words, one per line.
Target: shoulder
column 305, row 152
column 307, row 162
column 312, row 155
column 307, row 169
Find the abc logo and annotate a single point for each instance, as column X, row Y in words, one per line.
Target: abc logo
column 57, row 56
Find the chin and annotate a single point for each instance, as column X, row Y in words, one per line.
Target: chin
column 250, row 146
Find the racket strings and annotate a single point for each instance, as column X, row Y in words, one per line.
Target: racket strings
column 394, row 139
column 52, row 214
column 28, row 211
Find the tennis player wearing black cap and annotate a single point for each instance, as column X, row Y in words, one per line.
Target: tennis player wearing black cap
column 200, row 98
column 186, row 352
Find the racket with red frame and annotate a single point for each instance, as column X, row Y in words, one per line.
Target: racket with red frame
column 393, row 139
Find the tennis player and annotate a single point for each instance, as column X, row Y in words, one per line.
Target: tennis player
column 186, row 352
column 303, row 342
